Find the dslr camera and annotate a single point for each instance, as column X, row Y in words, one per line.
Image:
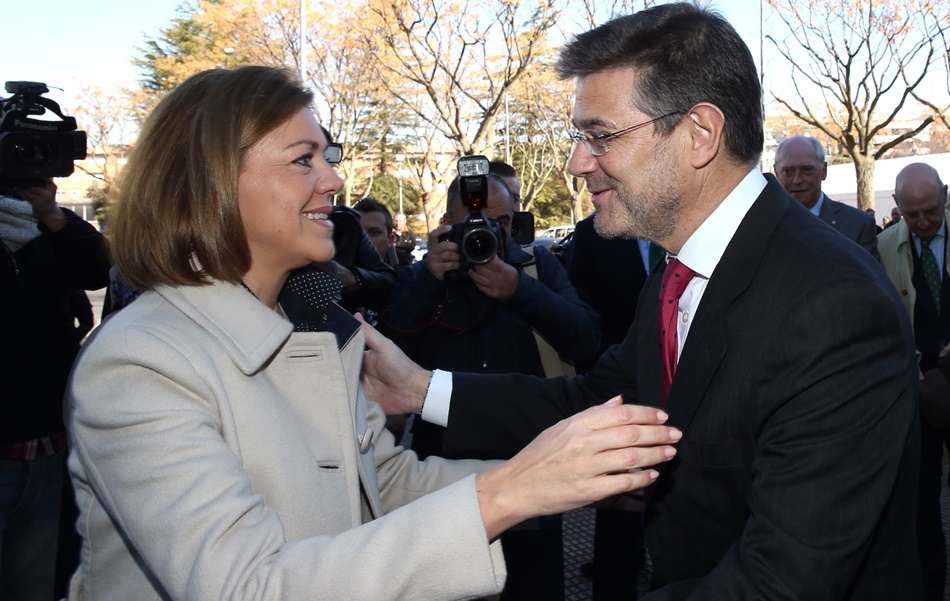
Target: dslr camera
column 33, row 150
column 478, row 237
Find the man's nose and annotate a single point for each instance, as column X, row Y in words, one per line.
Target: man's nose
column 581, row 161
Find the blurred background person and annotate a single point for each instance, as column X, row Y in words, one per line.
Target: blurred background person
column 377, row 222
column 403, row 239
column 915, row 256
column 800, row 167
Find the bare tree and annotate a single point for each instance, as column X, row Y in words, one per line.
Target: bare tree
column 541, row 108
column 352, row 102
column 857, row 66
column 462, row 56
column 106, row 117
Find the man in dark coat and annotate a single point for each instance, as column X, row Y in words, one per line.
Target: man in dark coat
column 788, row 360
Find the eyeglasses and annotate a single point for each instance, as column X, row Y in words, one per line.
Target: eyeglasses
column 597, row 144
column 333, row 153
column 805, row 170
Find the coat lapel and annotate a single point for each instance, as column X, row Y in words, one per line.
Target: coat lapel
column 708, row 339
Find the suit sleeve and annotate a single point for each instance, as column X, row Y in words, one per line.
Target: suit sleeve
column 376, row 277
column 550, row 304
column 837, row 430
column 578, row 266
column 503, row 413
column 868, row 236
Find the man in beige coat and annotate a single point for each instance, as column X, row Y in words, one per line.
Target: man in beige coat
column 915, row 255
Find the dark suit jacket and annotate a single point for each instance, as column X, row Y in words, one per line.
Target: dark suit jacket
column 797, row 472
column 853, row 223
column 608, row 275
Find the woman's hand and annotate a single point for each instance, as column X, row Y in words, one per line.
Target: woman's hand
column 390, row 379
column 593, row 455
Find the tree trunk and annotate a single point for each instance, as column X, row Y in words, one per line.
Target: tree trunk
column 577, row 209
column 864, row 170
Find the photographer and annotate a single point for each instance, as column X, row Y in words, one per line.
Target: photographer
column 46, row 251
column 367, row 280
column 481, row 318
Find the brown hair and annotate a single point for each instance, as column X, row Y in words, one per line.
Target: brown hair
column 177, row 220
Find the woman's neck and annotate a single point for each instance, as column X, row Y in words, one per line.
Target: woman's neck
column 266, row 289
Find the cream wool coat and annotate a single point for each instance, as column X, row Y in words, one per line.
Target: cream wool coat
column 217, row 455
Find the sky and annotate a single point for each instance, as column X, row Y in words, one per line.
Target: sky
column 92, row 42
column 83, row 42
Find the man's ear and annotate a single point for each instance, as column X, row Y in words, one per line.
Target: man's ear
column 706, row 123
column 445, row 219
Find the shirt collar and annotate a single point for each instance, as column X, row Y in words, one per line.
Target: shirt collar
column 939, row 236
column 703, row 250
column 816, row 209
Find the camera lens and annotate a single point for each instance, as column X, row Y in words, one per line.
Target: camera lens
column 31, row 155
column 479, row 246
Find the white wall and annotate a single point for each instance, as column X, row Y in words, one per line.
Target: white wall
column 841, row 184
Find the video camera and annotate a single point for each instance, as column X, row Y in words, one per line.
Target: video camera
column 479, row 238
column 33, row 150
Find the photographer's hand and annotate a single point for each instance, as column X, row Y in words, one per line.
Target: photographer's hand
column 43, row 200
column 496, row 279
column 442, row 256
column 346, row 275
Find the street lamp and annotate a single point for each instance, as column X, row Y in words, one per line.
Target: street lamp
column 227, row 54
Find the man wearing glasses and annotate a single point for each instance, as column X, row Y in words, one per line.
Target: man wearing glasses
column 779, row 348
column 800, row 167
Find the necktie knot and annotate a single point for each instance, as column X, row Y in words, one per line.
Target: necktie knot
column 675, row 279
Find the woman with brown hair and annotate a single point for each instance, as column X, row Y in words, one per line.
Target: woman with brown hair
column 222, row 446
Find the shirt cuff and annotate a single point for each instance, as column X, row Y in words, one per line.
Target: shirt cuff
column 435, row 408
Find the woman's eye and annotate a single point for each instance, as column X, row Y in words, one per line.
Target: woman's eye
column 306, row 160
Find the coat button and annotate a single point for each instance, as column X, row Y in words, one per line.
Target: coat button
column 904, row 292
column 366, row 440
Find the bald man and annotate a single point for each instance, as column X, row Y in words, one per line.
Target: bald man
column 800, row 167
column 912, row 249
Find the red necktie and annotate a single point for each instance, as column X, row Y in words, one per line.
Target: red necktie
column 675, row 279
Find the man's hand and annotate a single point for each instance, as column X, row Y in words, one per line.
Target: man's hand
column 496, row 279
column 592, row 455
column 345, row 275
column 442, row 257
column 389, row 377
column 43, row 199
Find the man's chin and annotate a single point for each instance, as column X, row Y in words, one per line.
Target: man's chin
column 607, row 229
